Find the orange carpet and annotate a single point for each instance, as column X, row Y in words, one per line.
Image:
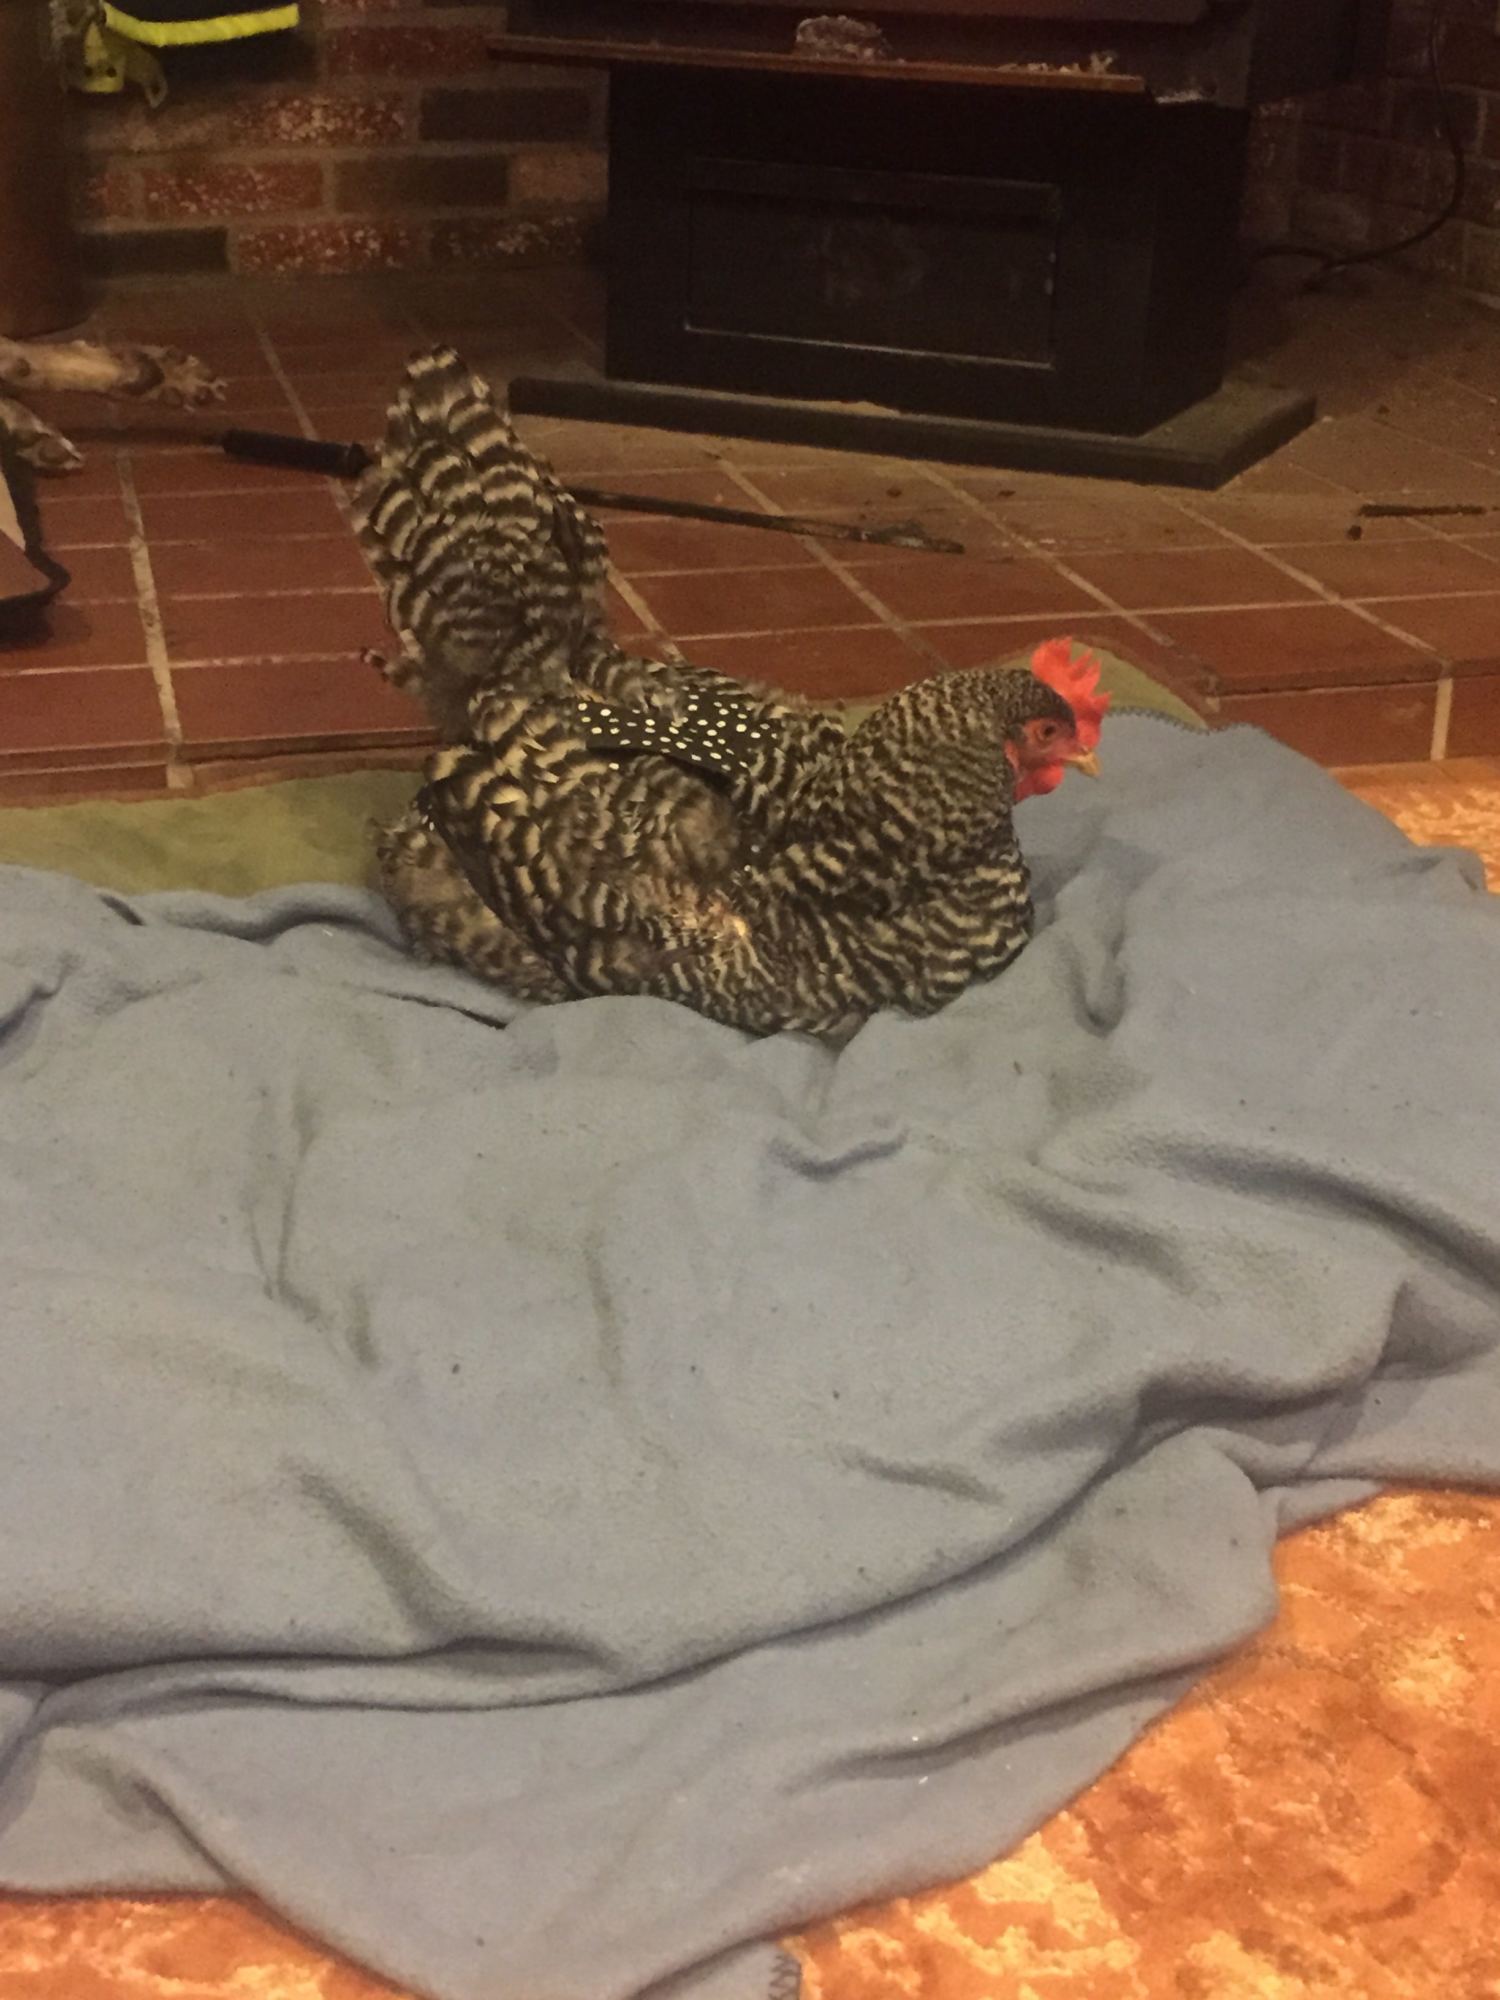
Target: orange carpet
column 1320, row 1818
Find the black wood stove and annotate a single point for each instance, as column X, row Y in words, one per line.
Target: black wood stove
column 992, row 230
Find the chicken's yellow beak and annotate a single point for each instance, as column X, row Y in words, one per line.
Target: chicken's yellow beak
column 1085, row 761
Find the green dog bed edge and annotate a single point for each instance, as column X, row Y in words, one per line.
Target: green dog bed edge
column 296, row 830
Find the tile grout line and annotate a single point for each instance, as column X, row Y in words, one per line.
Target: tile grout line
column 1137, row 620
column 1328, row 596
column 62, row 549
column 1186, row 608
column 1442, row 715
column 298, row 407
column 262, row 658
column 1385, row 426
column 339, row 487
column 909, row 634
column 148, row 606
column 1360, row 611
column 78, row 667
column 259, row 596
column 627, row 590
column 274, row 363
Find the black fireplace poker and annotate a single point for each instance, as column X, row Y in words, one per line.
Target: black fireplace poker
column 348, row 461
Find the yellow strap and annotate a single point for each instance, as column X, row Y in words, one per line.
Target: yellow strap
column 218, row 28
column 103, row 63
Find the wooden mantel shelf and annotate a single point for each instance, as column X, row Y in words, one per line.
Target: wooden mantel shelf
column 598, row 53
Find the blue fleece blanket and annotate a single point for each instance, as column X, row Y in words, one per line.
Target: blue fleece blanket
column 550, row 1500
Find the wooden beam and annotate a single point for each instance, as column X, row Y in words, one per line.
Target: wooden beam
column 596, row 53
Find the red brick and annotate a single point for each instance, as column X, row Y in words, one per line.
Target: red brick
column 323, row 621
column 826, row 666
column 505, row 114
column 1463, row 629
column 1417, row 115
column 124, row 125
column 1407, row 42
column 1294, row 647
column 559, row 174
column 330, row 246
column 180, row 194
column 752, row 600
column 1363, row 164
column 1272, row 152
column 412, row 180
column 1441, row 256
column 85, row 521
column 256, row 565
column 502, row 239
column 203, row 469
column 1474, row 727
column 61, row 777
column 100, row 576
column 1351, row 725
column 1146, row 579
column 923, row 589
column 1470, row 50
column 150, row 252
column 1318, row 156
column 1412, row 177
column 106, row 194
column 226, row 517
column 1265, row 211
column 78, row 635
column 406, row 50
column 105, row 708
column 320, row 118
column 267, row 115
column 1357, row 107
column 624, row 620
column 1340, row 219
column 266, row 704
column 642, row 546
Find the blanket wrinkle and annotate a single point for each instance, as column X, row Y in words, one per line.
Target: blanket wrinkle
column 822, row 1155
column 550, row 1509
column 1429, row 1212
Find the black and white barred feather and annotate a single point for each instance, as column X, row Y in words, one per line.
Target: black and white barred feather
column 602, row 823
column 630, row 875
column 485, row 560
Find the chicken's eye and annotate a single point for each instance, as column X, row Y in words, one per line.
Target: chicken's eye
column 1047, row 731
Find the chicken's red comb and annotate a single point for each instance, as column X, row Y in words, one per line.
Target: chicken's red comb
column 1076, row 679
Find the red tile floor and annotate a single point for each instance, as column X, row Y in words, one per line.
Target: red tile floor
column 217, row 611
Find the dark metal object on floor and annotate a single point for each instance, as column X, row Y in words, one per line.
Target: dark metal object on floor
column 348, row 461
column 1400, row 510
column 896, row 535
column 1024, row 218
column 300, row 454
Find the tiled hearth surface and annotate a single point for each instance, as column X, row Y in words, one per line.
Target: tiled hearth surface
column 217, row 611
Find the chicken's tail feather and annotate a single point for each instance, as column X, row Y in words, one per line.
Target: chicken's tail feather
column 488, row 566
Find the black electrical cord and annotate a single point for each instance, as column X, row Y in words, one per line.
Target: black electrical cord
column 1329, row 261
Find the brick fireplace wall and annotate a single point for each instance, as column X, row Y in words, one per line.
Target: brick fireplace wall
column 379, row 136
column 1368, row 163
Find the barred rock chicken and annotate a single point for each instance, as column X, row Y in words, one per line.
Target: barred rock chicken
column 600, row 823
